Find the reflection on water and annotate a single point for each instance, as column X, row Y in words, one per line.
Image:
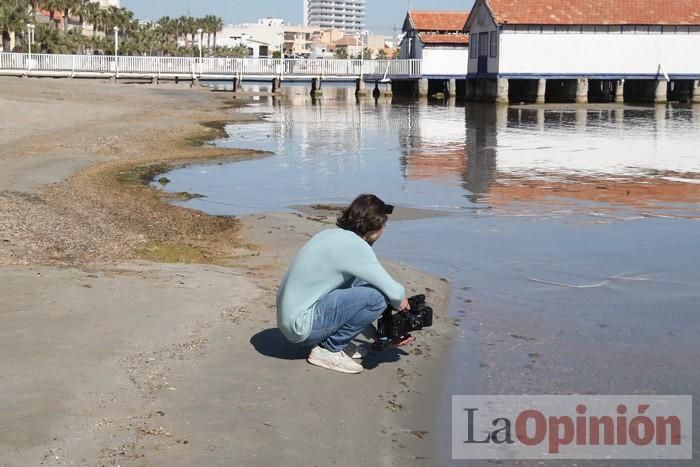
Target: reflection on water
column 450, row 156
column 572, row 245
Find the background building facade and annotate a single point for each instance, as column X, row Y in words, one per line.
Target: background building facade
column 344, row 15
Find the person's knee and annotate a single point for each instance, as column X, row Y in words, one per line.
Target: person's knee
column 376, row 301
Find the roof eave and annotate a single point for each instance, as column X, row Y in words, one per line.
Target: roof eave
column 473, row 12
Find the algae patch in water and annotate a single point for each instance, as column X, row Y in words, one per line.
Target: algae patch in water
column 182, row 196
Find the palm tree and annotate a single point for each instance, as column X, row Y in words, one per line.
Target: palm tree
column 103, row 44
column 217, row 24
column 200, row 24
column 14, row 15
column 210, row 24
column 205, row 24
column 52, row 6
column 127, row 21
column 186, row 26
column 74, row 42
column 66, row 7
column 240, row 51
column 34, row 4
column 113, row 17
column 86, row 11
column 48, row 39
column 168, row 27
column 341, row 53
column 99, row 22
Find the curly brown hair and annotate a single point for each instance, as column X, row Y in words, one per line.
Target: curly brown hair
column 367, row 213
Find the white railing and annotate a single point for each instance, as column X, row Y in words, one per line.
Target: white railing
column 235, row 67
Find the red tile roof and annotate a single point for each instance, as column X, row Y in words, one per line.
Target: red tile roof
column 348, row 41
column 593, row 12
column 457, row 39
column 438, row 20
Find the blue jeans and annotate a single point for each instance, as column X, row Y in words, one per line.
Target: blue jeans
column 343, row 314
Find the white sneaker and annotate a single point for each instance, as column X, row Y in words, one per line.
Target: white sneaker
column 337, row 361
column 356, row 350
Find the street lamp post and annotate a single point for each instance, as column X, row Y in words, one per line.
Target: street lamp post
column 30, row 39
column 281, row 37
column 116, row 51
column 199, row 67
column 362, row 54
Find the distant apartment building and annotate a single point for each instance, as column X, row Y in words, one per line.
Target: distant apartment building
column 299, row 40
column 270, row 35
column 261, row 38
column 344, row 15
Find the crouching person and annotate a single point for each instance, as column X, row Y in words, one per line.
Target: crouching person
column 336, row 288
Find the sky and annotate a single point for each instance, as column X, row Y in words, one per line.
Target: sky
column 382, row 15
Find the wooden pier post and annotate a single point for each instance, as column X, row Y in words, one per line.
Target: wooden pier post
column 316, row 87
column 452, row 88
column 276, row 85
column 389, row 91
column 360, row 88
column 582, row 91
column 620, row 91
column 661, row 93
column 236, row 84
column 541, row 91
column 423, row 87
column 502, row 91
column 376, row 92
column 695, row 96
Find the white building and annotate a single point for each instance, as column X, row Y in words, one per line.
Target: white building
column 299, row 40
column 573, row 50
column 261, row 38
column 437, row 38
column 108, row 3
column 344, row 15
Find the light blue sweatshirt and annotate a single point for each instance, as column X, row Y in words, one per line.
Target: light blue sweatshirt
column 332, row 259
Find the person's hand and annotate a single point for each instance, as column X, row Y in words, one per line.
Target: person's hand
column 404, row 305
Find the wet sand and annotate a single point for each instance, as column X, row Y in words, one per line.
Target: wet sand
column 134, row 332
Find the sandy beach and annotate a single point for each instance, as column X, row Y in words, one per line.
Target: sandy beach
column 136, row 332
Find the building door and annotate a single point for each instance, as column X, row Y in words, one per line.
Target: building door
column 483, row 44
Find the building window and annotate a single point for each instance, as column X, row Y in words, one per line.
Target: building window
column 473, row 44
column 483, row 44
column 493, row 46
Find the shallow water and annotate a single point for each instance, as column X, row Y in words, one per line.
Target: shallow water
column 572, row 240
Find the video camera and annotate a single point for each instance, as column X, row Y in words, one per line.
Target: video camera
column 395, row 326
